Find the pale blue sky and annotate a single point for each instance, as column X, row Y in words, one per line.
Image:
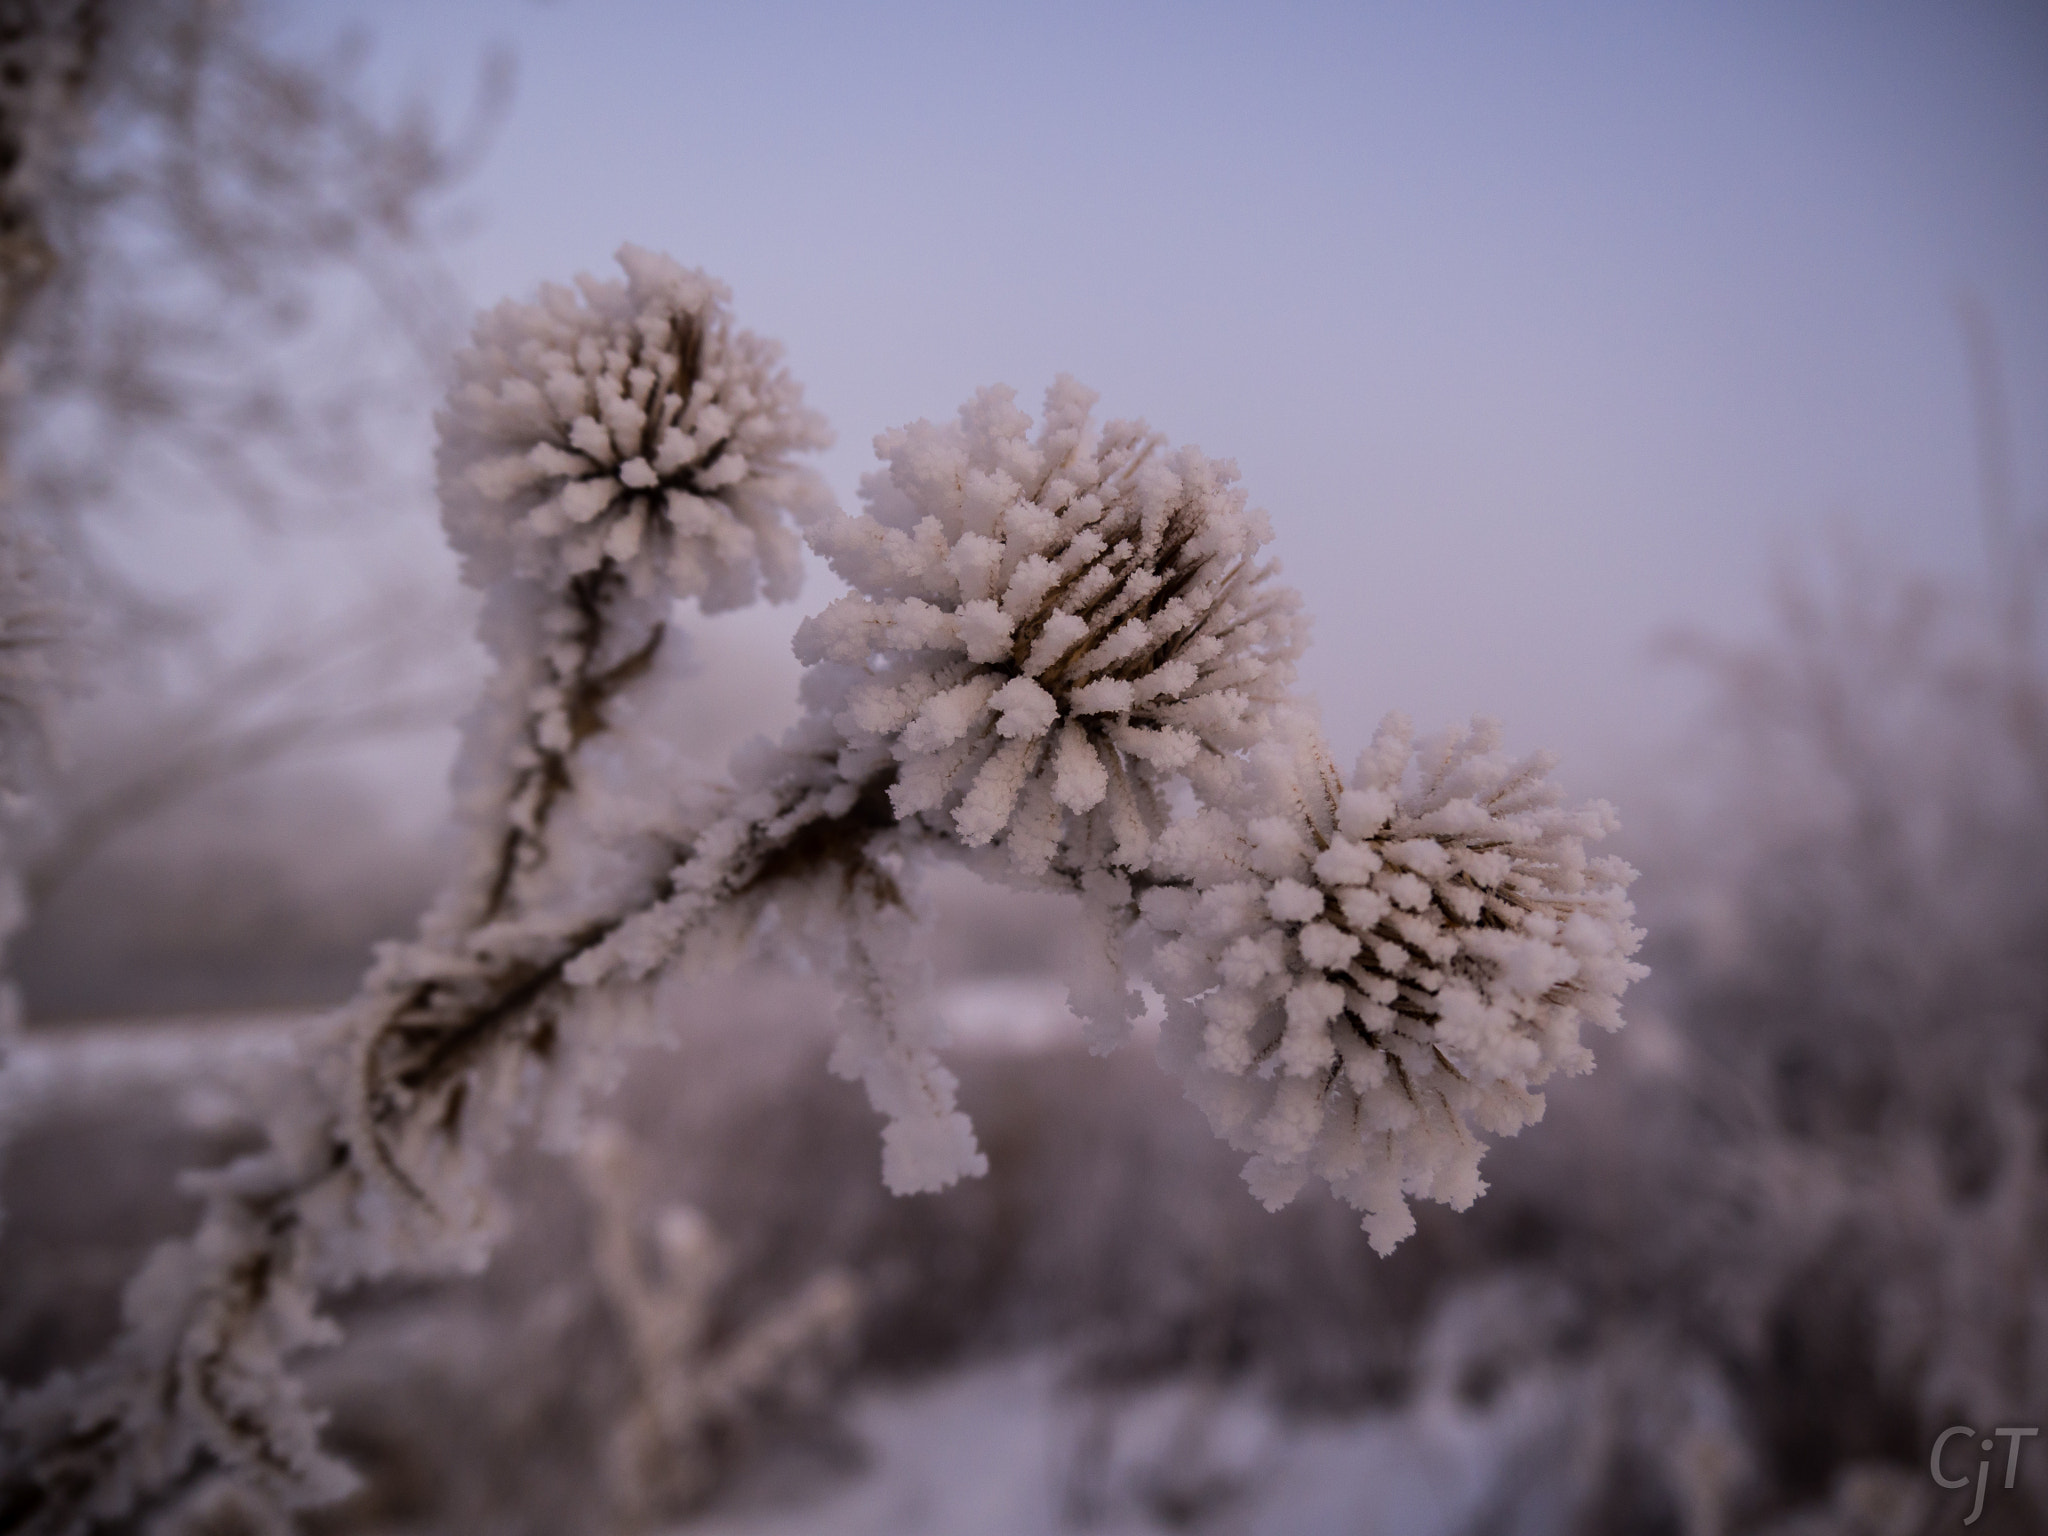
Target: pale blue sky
column 1538, row 329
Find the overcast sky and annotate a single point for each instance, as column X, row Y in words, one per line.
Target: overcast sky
column 1538, row 330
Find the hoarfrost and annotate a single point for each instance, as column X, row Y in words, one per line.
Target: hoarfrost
column 1061, row 661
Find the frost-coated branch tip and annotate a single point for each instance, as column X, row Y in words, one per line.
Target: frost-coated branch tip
column 1362, row 975
column 630, row 424
column 1044, row 630
column 605, row 451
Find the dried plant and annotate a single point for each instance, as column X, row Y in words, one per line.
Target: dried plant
column 1061, row 662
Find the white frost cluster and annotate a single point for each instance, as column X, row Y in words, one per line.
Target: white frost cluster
column 1049, row 628
column 1361, row 976
column 630, row 423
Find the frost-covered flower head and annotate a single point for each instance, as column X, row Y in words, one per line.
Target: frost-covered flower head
column 630, row 424
column 1365, row 974
column 1048, row 627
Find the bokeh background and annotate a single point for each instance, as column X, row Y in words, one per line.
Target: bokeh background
column 1666, row 382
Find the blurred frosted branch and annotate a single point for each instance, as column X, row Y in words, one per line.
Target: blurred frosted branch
column 197, row 238
column 701, row 1394
column 2012, row 542
column 225, row 288
column 320, row 688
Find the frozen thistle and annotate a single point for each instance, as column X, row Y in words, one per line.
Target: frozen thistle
column 415, row 1088
column 603, row 453
column 1361, row 977
column 630, row 425
column 1050, row 628
column 1045, row 634
column 1060, row 658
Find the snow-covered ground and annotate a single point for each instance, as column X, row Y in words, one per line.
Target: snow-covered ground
column 1005, row 1449
column 209, row 1066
